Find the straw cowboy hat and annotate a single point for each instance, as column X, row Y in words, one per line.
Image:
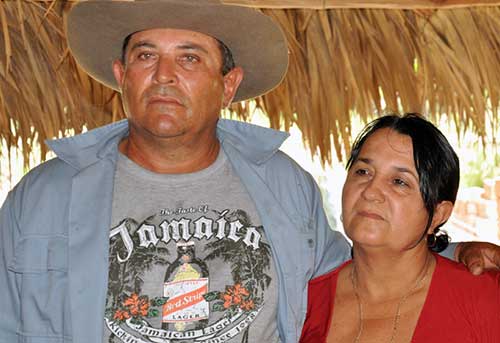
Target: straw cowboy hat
column 96, row 30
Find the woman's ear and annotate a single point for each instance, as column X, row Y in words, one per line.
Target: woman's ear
column 441, row 215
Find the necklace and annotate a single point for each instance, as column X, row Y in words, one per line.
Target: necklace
column 398, row 309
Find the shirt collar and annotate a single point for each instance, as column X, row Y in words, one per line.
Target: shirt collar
column 256, row 143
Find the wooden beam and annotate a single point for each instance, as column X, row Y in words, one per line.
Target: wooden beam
column 388, row 4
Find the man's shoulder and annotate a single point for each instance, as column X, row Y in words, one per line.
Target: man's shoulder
column 260, row 147
column 48, row 176
column 287, row 170
column 52, row 170
column 255, row 143
column 87, row 148
column 44, row 189
column 282, row 160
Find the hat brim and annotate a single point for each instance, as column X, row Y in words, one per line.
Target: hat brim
column 96, row 30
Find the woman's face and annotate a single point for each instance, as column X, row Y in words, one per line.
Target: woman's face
column 381, row 201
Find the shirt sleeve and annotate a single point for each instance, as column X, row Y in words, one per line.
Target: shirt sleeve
column 332, row 248
column 9, row 295
column 449, row 252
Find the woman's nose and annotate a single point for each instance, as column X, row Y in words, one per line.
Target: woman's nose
column 373, row 190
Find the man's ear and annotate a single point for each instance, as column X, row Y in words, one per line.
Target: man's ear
column 232, row 81
column 441, row 214
column 118, row 71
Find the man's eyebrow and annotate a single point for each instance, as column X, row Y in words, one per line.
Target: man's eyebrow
column 182, row 46
column 192, row 46
column 142, row 44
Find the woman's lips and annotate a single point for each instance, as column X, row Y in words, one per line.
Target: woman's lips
column 370, row 215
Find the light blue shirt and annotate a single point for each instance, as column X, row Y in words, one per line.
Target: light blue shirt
column 54, row 233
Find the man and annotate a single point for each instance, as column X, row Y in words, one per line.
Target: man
column 172, row 226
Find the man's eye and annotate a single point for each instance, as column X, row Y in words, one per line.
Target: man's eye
column 191, row 58
column 145, row 55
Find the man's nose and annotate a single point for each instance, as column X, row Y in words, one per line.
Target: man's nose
column 165, row 70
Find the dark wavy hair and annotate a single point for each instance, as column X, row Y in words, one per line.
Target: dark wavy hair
column 435, row 160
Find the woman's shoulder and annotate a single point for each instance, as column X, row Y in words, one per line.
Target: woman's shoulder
column 457, row 274
column 455, row 287
column 460, row 307
column 328, row 278
column 322, row 289
column 320, row 301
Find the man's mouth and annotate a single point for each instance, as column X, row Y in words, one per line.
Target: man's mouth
column 161, row 99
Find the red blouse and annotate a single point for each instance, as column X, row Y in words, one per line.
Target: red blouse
column 460, row 307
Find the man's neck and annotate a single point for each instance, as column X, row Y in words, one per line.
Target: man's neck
column 171, row 157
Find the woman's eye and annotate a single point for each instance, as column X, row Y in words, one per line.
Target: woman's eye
column 361, row 172
column 400, row 182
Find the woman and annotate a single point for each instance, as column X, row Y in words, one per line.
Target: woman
column 401, row 185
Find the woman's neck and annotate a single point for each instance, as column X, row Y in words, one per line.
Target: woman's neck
column 381, row 275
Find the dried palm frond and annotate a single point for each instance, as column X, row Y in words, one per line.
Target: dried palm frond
column 342, row 62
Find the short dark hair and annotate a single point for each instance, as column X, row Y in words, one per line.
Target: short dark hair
column 227, row 56
column 436, row 162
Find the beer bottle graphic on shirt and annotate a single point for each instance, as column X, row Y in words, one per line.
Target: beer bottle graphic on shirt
column 186, row 281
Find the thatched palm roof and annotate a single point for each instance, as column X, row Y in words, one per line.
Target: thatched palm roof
column 343, row 61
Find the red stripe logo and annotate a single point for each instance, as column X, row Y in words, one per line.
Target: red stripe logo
column 184, row 301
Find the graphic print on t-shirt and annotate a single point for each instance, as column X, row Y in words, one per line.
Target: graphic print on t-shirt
column 191, row 274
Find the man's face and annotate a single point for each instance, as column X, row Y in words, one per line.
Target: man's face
column 172, row 84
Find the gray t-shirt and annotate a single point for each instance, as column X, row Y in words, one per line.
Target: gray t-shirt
column 189, row 259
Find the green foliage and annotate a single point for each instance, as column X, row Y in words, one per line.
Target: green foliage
column 477, row 170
